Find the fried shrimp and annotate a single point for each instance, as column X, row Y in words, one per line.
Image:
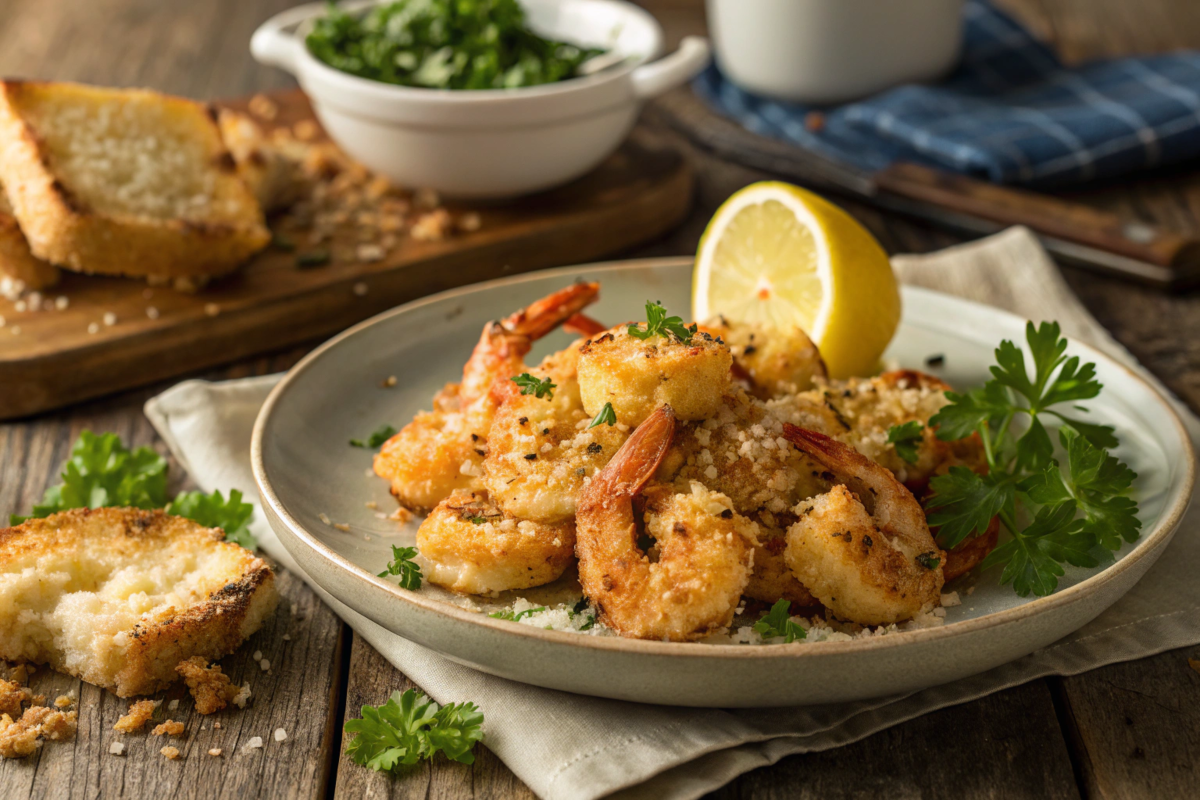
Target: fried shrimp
column 860, row 411
column 541, row 450
column 443, row 450
column 637, row 376
column 863, row 548
column 774, row 362
column 475, row 548
column 690, row 583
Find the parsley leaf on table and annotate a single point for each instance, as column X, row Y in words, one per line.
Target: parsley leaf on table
column 538, row 387
column 1078, row 510
column 214, row 511
column 777, row 623
column 377, row 437
column 103, row 472
column 402, row 564
column 905, row 439
column 659, row 324
column 410, row 727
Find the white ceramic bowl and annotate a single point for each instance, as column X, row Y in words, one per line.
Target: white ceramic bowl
column 495, row 142
column 833, row 51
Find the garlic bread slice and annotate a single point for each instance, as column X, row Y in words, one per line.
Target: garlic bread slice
column 124, row 182
column 120, row 596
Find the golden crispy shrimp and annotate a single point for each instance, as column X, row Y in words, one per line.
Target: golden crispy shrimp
column 862, row 410
column 541, row 450
column 704, row 549
column 863, row 548
column 638, row 375
column 774, row 362
column 475, row 548
column 443, row 450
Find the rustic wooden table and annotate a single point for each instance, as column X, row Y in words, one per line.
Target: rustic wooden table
column 1128, row 730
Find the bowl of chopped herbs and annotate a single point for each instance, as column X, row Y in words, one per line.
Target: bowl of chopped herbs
column 477, row 98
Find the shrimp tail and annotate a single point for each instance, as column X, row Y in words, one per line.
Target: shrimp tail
column 582, row 325
column 635, row 463
column 543, row 316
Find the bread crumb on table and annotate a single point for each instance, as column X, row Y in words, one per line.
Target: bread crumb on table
column 117, row 748
column 210, row 688
column 12, row 696
column 171, row 753
column 255, row 743
column 280, row 734
column 216, row 751
column 169, row 728
column 171, row 706
column 22, row 737
column 139, row 714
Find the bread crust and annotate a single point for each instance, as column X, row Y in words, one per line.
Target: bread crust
column 234, row 608
column 61, row 228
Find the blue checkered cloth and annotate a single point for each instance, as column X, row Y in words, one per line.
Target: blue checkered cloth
column 1010, row 113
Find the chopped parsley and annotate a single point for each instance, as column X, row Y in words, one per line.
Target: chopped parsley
column 443, row 44
column 538, row 387
column 659, row 324
column 410, row 727
column 606, row 417
column 102, row 472
column 516, row 616
column 905, row 439
column 928, row 560
column 1077, row 507
column 402, row 564
column 377, row 437
column 777, row 623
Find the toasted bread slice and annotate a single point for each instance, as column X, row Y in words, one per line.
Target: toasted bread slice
column 271, row 169
column 120, row 596
column 22, row 267
column 124, row 182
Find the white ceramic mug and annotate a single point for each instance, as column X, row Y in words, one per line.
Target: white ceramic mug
column 833, row 51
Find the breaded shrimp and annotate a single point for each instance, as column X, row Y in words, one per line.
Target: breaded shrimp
column 475, row 548
column 862, row 410
column 704, row 549
column 863, row 548
column 638, row 375
column 774, row 362
column 443, row 450
column 772, row 579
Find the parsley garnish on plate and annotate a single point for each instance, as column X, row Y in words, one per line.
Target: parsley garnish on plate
column 102, row 473
column 402, row 564
column 1073, row 511
column 538, row 387
column 377, row 437
column 214, row 511
column 905, row 439
column 659, row 324
column 516, row 616
column 778, row 623
column 410, row 727
column 606, row 416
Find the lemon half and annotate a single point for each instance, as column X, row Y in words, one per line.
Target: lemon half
column 778, row 255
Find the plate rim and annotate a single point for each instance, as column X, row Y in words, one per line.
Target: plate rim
column 1147, row 545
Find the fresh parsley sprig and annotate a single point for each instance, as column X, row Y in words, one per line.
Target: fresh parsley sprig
column 1078, row 510
column 102, row 472
column 659, row 324
column 606, row 416
column 214, row 511
column 377, row 437
column 410, row 727
column 777, row 623
column 402, row 564
column 538, row 387
column 905, row 438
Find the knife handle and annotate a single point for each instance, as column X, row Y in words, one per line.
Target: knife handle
column 1045, row 214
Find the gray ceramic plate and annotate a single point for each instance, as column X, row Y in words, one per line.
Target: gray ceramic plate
column 305, row 469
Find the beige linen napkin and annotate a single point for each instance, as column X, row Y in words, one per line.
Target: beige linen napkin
column 571, row 747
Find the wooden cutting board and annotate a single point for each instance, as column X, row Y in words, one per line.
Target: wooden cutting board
column 639, row 193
